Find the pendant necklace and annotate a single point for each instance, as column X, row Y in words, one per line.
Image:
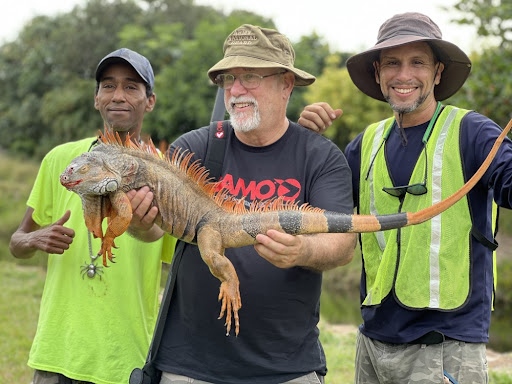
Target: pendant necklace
column 91, row 269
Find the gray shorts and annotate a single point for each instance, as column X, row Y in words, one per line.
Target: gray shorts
column 171, row 378
column 379, row 363
column 44, row 377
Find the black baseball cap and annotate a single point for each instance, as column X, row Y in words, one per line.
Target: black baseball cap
column 141, row 65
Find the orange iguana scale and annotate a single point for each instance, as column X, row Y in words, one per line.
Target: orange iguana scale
column 192, row 208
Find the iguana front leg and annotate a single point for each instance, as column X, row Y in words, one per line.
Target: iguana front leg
column 120, row 216
column 210, row 245
column 93, row 214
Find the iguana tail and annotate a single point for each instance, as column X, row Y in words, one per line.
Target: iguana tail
column 297, row 220
column 369, row 223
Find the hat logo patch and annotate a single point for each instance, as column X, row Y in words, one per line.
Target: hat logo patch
column 242, row 37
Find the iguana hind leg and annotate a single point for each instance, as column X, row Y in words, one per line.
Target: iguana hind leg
column 210, row 245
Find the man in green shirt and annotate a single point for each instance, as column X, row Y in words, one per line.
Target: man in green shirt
column 95, row 324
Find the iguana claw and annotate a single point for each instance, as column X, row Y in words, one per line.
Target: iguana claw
column 231, row 303
column 106, row 251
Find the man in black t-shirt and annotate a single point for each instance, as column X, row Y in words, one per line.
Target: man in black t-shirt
column 266, row 157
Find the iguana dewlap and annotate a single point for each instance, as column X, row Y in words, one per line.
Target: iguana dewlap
column 193, row 209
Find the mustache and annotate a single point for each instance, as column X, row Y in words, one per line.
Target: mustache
column 241, row 99
column 404, row 84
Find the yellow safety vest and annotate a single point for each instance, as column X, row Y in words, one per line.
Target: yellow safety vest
column 426, row 265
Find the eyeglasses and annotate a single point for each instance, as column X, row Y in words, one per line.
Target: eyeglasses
column 413, row 189
column 248, row 80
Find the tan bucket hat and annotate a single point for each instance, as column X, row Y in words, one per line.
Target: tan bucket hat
column 403, row 29
column 250, row 46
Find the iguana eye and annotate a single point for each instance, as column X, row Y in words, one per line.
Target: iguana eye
column 84, row 169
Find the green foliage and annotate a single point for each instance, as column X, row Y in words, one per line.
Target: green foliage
column 502, row 308
column 335, row 87
column 505, row 221
column 488, row 90
column 17, row 174
column 49, row 69
column 491, row 18
column 340, row 293
column 52, row 54
column 309, row 62
column 16, row 178
column 185, row 94
column 67, row 111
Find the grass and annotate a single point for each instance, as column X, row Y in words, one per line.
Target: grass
column 340, row 352
column 20, row 291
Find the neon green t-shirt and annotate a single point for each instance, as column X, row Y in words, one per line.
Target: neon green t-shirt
column 97, row 329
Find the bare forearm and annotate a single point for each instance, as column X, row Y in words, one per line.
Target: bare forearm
column 148, row 236
column 324, row 251
column 21, row 246
column 319, row 252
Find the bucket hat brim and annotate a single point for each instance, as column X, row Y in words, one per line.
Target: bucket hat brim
column 457, row 66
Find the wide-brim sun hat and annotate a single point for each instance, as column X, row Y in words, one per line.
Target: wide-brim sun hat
column 404, row 29
column 251, row 46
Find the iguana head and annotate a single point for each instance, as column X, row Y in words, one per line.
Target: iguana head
column 89, row 174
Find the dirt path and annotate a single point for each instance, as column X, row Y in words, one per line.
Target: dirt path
column 499, row 361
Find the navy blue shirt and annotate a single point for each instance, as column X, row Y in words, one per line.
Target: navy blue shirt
column 278, row 338
column 392, row 323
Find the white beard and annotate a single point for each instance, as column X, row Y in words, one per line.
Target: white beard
column 239, row 120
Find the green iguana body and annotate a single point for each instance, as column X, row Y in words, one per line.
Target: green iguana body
column 192, row 209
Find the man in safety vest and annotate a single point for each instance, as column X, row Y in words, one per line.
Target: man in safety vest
column 426, row 290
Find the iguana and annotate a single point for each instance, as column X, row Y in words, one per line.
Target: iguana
column 194, row 209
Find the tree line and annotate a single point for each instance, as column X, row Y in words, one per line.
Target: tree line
column 47, row 72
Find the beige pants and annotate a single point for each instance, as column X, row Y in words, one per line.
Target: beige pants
column 379, row 363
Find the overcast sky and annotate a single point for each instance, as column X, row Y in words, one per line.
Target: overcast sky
column 346, row 25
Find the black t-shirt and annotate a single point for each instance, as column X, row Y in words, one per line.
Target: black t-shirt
column 278, row 338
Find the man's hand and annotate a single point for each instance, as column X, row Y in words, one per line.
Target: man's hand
column 143, row 225
column 281, row 249
column 54, row 238
column 144, row 213
column 318, row 116
column 318, row 252
column 29, row 237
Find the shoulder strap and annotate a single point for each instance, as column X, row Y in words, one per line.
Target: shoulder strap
column 214, row 159
column 166, row 299
column 217, row 138
column 492, row 244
